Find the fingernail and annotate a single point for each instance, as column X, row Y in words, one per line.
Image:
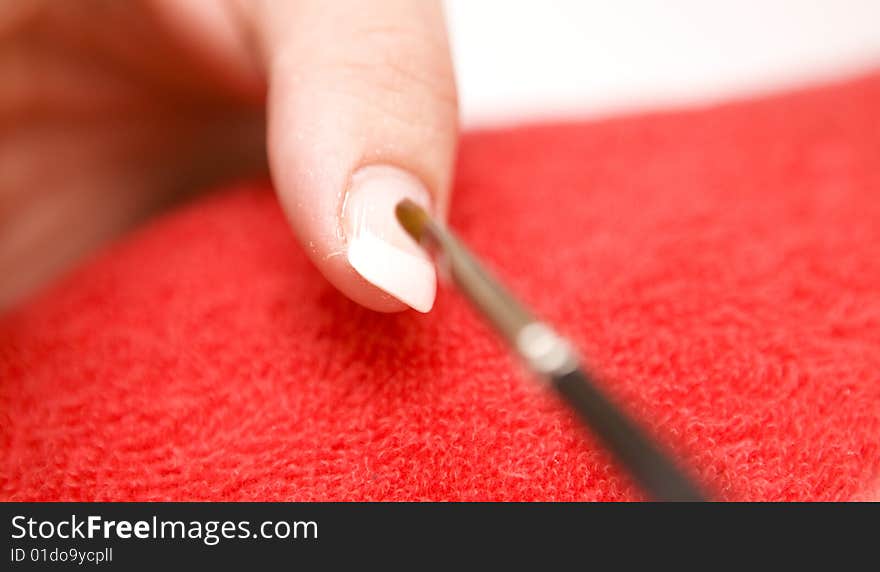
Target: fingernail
column 378, row 247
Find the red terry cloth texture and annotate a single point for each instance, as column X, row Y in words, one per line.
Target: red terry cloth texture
column 720, row 268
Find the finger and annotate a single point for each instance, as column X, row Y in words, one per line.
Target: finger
column 362, row 113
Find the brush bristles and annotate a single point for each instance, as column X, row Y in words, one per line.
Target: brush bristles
column 412, row 218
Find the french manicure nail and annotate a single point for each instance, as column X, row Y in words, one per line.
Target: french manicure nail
column 378, row 247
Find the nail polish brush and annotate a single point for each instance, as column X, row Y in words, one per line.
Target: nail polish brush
column 552, row 358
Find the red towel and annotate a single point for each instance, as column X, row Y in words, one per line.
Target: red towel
column 720, row 267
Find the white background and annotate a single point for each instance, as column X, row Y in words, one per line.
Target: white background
column 524, row 60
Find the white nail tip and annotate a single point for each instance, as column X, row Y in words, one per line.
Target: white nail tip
column 408, row 278
column 378, row 248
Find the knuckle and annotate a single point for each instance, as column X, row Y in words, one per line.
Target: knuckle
column 406, row 76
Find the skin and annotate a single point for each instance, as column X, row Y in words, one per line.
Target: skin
column 111, row 111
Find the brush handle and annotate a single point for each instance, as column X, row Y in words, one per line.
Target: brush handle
column 657, row 474
column 551, row 357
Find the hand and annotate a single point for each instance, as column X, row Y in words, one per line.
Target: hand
column 110, row 110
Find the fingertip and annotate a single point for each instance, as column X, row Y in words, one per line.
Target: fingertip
column 355, row 125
